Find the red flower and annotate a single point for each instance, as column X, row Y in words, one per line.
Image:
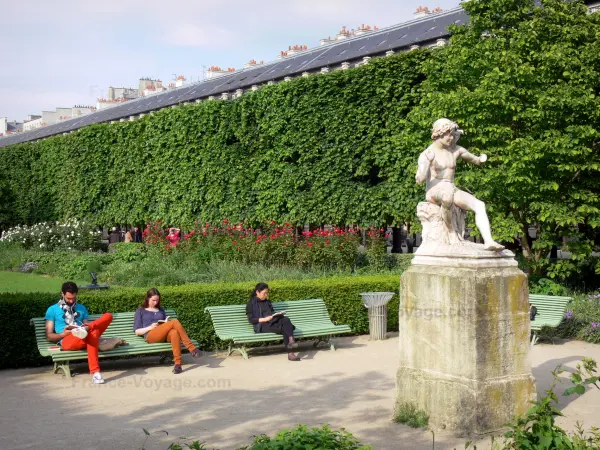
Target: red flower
column 225, row 221
column 326, row 241
column 309, row 244
column 234, row 242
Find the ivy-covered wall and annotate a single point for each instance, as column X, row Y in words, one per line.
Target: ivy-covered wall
column 315, row 150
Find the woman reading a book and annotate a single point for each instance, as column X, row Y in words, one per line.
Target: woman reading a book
column 264, row 319
column 152, row 322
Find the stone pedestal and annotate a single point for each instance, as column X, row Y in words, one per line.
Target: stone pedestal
column 464, row 341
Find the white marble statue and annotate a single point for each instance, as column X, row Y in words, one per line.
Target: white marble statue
column 437, row 165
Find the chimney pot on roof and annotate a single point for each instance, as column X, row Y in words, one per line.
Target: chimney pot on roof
column 422, row 11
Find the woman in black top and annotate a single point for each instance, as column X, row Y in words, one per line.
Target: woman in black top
column 260, row 314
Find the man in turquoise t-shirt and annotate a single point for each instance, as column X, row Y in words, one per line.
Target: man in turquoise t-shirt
column 67, row 323
column 56, row 314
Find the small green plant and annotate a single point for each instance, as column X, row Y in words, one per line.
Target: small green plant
column 544, row 286
column 302, row 437
column 409, row 414
column 583, row 377
column 148, row 434
column 194, row 445
column 538, row 430
column 128, row 251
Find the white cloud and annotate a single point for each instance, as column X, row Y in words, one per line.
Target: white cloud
column 205, row 36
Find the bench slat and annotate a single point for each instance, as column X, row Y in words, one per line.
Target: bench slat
column 121, row 326
column 550, row 310
column 310, row 317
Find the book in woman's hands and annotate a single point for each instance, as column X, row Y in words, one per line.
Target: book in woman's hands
column 279, row 313
column 165, row 320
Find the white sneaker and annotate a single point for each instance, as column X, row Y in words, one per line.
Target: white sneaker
column 97, row 378
column 79, row 332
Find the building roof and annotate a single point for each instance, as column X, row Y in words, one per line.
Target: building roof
column 423, row 31
column 14, row 127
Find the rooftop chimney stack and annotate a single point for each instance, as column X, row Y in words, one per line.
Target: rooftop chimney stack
column 422, row 11
column 253, row 63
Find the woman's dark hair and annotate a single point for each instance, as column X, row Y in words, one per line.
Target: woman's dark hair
column 151, row 293
column 259, row 287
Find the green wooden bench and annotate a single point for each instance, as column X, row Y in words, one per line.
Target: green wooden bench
column 310, row 318
column 550, row 312
column 121, row 326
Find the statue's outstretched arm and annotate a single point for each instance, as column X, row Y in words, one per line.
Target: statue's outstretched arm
column 424, row 163
column 470, row 157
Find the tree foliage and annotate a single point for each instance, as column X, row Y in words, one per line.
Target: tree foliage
column 523, row 81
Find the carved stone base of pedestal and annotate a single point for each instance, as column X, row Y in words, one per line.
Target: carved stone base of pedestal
column 444, row 247
column 435, row 230
column 464, row 346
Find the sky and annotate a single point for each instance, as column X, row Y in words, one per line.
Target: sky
column 61, row 53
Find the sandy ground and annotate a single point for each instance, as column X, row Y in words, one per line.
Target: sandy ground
column 223, row 402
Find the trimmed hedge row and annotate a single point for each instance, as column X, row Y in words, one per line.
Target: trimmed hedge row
column 308, row 151
column 341, row 295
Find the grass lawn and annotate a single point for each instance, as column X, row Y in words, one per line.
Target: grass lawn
column 29, row 282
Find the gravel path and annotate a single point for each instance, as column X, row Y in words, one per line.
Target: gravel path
column 223, row 402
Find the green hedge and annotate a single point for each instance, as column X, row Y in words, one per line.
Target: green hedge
column 314, row 150
column 17, row 341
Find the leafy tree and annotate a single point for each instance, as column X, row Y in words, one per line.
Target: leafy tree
column 523, row 81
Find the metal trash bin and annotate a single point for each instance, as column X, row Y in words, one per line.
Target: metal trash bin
column 376, row 303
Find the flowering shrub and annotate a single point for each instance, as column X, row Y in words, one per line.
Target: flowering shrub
column 155, row 238
column 328, row 248
column 582, row 319
column 271, row 244
column 592, row 332
column 69, row 235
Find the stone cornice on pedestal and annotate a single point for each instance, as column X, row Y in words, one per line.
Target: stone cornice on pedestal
column 466, row 254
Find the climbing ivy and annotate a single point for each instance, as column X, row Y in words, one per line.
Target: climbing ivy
column 312, row 150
